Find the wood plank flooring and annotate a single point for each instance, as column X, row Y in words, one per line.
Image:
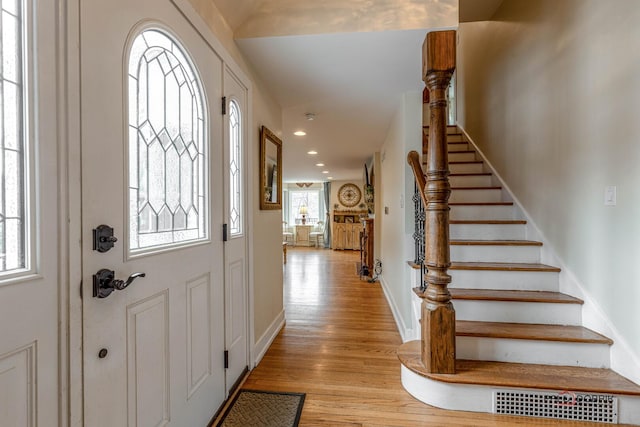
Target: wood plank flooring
column 339, row 347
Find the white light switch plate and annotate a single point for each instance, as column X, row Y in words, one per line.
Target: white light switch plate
column 610, row 195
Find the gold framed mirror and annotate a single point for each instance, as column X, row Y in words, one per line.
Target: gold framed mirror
column 270, row 170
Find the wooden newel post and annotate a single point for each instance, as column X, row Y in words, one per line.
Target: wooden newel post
column 438, row 315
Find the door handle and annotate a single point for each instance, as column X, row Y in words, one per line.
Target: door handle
column 104, row 282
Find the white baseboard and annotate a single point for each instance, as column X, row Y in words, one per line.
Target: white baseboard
column 623, row 359
column 406, row 333
column 264, row 342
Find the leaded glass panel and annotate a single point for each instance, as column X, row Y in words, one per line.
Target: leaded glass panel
column 235, row 169
column 167, row 149
column 13, row 142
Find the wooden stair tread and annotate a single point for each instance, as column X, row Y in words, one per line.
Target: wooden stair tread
column 476, row 188
column 503, row 266
column 468, row 162
column 471, row 174
column 521, row 331
column 481, row 204
column 523, row 375
column 495, row 243
column 414, row 265
column 513, row 295
column 488, row 221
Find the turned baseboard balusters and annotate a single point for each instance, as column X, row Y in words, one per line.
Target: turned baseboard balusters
column 438, row 315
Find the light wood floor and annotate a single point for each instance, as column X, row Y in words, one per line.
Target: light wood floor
column 339, row 347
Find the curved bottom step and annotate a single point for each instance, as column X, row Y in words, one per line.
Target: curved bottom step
column 477, row 383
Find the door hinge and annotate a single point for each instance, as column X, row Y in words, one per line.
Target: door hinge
column 226, row 359
column 224, row 105
column 225, row 235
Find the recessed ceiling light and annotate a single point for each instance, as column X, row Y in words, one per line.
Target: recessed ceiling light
column 325, row 171
column 329, row 177
column 319, row 164
column 312, row 152
column 299, row 133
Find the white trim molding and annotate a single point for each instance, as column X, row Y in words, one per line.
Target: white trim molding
column 406, row 333
column 264, row 342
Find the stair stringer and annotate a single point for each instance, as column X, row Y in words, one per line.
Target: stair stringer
column 623, row 359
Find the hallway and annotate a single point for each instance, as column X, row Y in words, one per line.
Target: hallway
column 338, row 347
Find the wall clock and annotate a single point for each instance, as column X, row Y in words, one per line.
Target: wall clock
column 349, row 195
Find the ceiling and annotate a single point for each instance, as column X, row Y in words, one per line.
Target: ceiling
column 348, row 63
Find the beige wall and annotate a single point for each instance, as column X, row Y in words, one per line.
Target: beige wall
column 550, row 91
column 396, row 190
column 267, row 225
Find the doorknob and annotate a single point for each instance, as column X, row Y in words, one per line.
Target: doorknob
column 104, row 282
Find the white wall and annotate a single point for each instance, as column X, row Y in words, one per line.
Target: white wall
column 396, row 190
column 550, row 91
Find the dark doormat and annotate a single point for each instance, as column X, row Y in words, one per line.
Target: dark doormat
column 263, row 409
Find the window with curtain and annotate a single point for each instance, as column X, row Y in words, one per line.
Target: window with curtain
column 312, row 199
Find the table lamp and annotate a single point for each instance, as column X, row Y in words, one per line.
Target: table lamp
column 304, row 212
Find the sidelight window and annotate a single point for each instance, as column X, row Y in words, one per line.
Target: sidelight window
column 235, row 169
column 15, row 189
column 168, row 159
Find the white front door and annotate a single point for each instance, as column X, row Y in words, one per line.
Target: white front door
column 29, row 215
column 152, row 168
column 235, row 247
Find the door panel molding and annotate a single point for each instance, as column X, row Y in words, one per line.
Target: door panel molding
column 18, row 376
column 198, row 333
column 148, row 356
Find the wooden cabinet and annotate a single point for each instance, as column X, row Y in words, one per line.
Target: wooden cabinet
column 302, row 235
column 345, row 233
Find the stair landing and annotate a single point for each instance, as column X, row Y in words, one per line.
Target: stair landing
column 523, row 375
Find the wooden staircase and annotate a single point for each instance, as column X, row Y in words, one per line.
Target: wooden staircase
column 513, row 329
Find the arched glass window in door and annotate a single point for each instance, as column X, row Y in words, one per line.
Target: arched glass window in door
column 168, row 159
column 235, row 169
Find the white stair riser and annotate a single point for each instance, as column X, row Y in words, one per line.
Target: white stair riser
column 518, row 312
column 487, row 231
column 475, row 398
column 489, row 195
column 558, row 353
column 470, row 181
column 416, row 280
column 466, row 168
column 480, row 212
column 462, row 157
column 515, row 280
column 451, row 148
column 497, row 253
